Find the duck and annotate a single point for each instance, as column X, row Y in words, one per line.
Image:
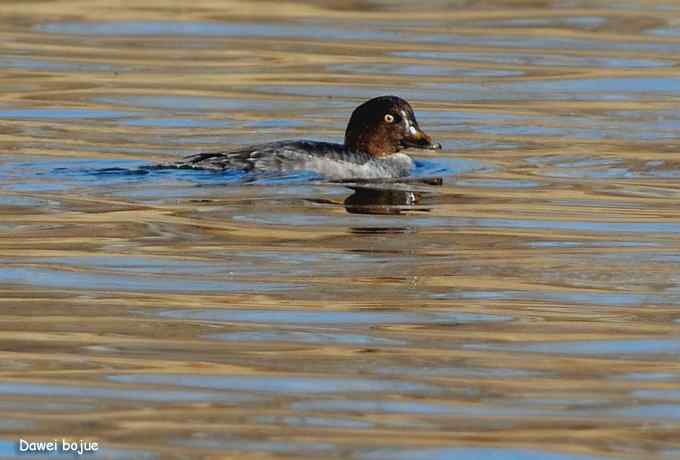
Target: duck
column 377, row 132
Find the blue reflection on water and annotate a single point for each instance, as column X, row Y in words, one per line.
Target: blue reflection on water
column 590, row 347
column 135, row 394
column 413, row 407
column 442, row 166
column 131, row 282
column 45, row 174
column 232, row 444
column 178, row 123
column 183, row 103
column 470, row 453
column 31, row 63
column 61, row 113
column 537, row 60
column 327, row 338
column 567, row 297
column 279, row 384
column 10, row 450
column 621, row 85
column 329, row 317
column 214, row 29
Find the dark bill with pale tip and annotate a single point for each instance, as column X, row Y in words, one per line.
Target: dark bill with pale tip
column 419, row 140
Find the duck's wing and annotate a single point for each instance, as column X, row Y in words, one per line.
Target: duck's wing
column 274, row 156
column 240, row 159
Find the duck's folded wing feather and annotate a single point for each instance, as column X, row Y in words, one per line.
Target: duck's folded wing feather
column 275, row 156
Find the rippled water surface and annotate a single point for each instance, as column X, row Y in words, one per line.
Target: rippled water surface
column 526, row 309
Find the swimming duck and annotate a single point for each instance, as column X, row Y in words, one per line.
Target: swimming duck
column 376, row 133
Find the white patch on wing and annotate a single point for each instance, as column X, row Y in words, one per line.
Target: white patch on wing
column 412, row 130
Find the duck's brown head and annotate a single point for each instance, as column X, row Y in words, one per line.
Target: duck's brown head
column 383, row 126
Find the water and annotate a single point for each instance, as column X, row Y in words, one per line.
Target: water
column 525, row 309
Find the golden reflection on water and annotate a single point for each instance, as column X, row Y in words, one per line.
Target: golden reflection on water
column 526, row 309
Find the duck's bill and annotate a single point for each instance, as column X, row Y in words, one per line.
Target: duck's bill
column 420, row 140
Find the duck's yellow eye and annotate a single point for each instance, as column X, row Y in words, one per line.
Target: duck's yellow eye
column 389, row 118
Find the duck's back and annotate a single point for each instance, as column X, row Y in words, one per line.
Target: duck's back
column 333, row 161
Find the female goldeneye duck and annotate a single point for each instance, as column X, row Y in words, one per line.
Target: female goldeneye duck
column 377, row 130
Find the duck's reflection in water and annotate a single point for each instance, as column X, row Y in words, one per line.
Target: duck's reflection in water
column 368, row 200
